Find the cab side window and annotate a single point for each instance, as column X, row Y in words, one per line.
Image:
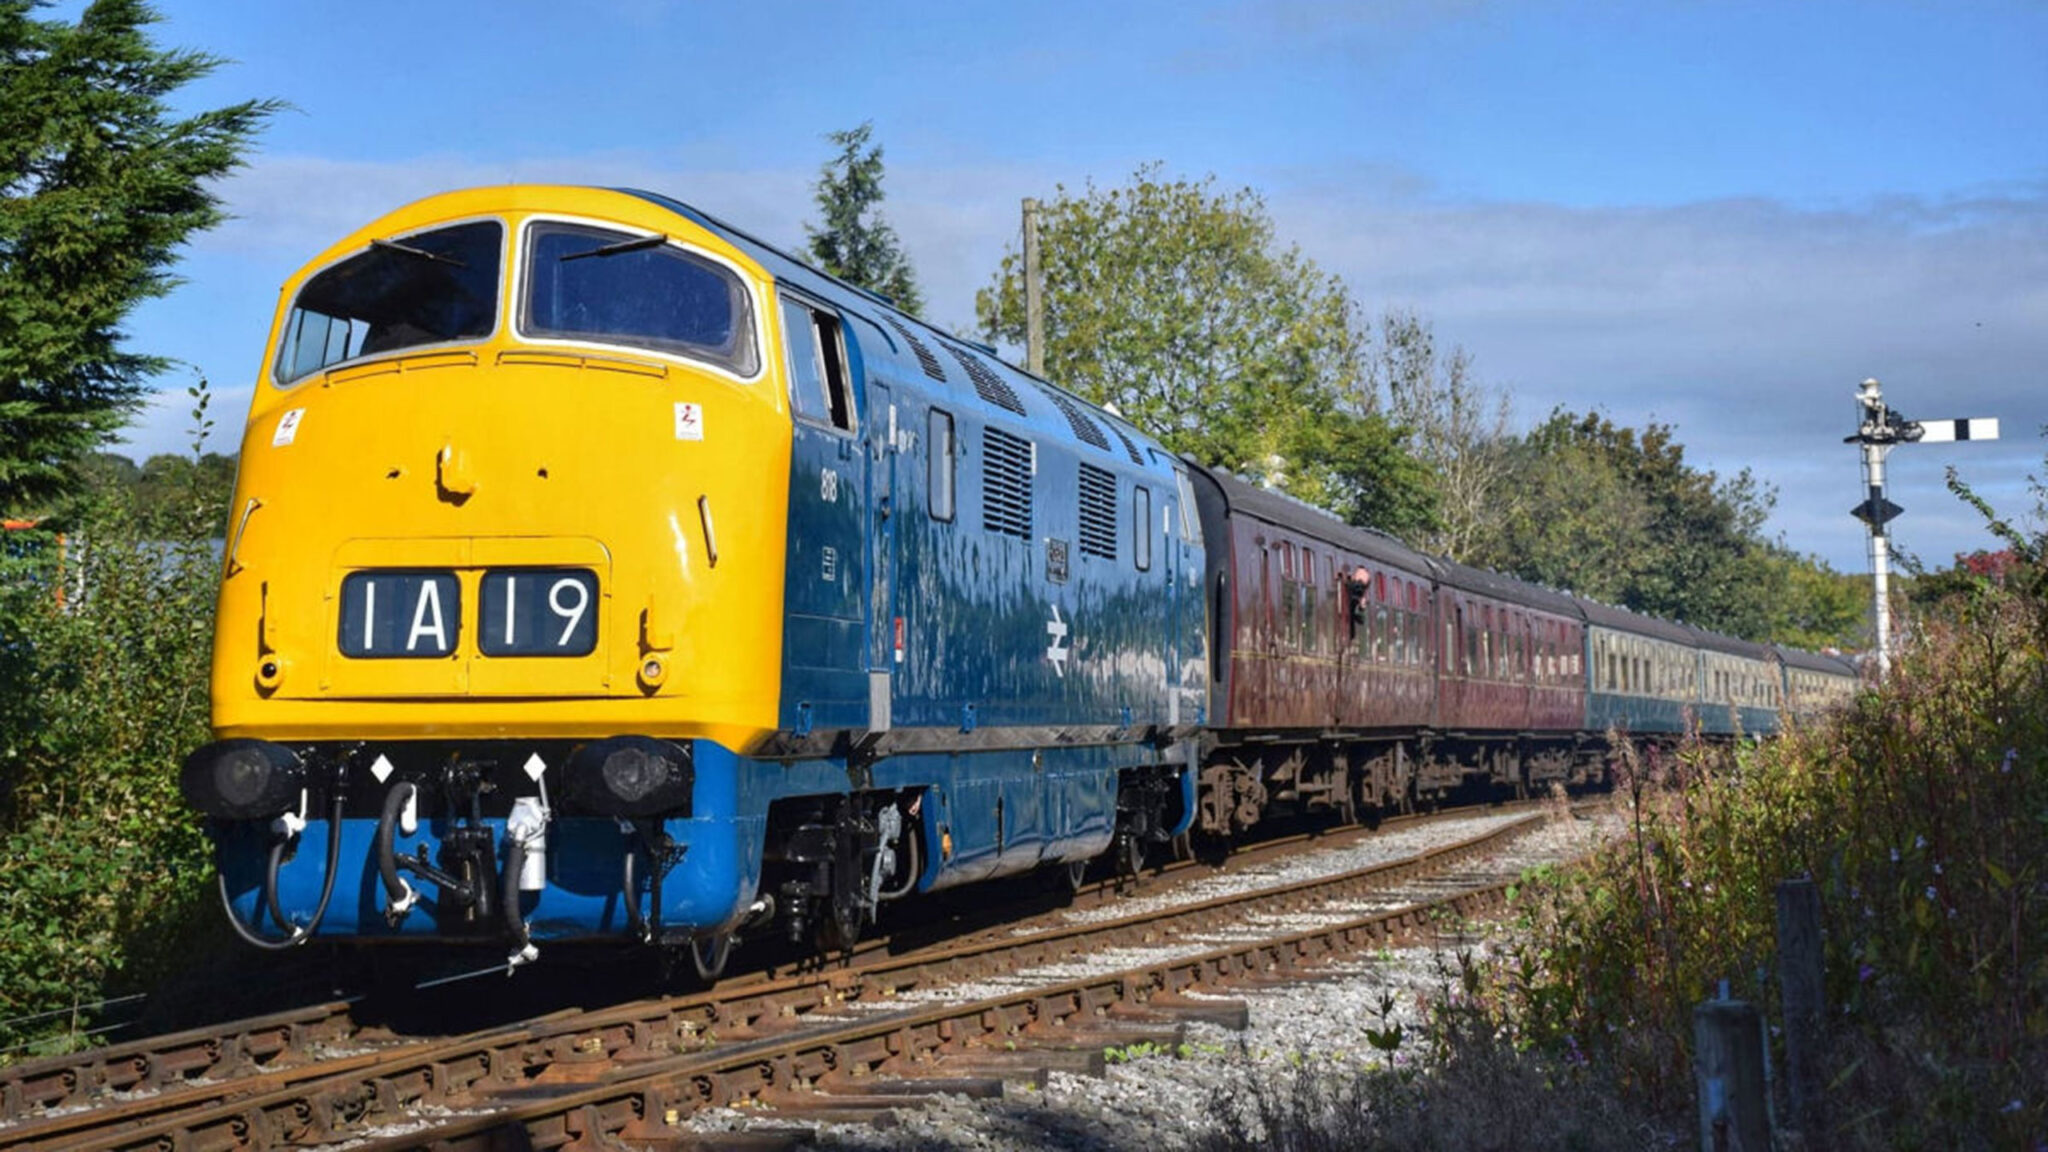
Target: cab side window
column 1141, row 527
column 939, row 462
column 818, row 388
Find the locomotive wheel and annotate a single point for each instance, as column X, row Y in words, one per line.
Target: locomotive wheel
column 708, row 956
column 839, row 928
column 1073, row 874
column 839, row 920
column 1130, row 855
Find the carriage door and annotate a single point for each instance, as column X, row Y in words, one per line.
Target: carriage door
column 887, row 432
column 1166, row 544
column 1190, row 683
column 825, row 663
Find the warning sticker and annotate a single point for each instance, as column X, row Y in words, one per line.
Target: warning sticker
column 689, row 421
column 287, row 428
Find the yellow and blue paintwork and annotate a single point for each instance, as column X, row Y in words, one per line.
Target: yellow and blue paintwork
column 802, row 633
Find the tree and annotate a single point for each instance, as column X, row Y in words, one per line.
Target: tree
column 856, row 244
column 1617, row 514
column 1459, row 426
column 1816, row 607
column 1173, row 302
column 99, row 186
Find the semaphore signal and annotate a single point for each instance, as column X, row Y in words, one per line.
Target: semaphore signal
column 1880, row 429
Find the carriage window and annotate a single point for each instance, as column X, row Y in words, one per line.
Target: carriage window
column 817, row 365
column 1141, row 526
column 595, row 284
column 1190, row 520
column 433, row 287
column 938, row 463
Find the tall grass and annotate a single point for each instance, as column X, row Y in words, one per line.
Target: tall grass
column 1922, row 814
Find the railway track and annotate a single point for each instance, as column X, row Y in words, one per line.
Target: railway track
column 313, row 1077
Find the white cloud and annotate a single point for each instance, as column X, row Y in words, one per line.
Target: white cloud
column 1744, row 322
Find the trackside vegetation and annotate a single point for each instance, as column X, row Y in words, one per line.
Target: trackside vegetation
column 106, row 622
column 1922, row 814
column 1923, row 817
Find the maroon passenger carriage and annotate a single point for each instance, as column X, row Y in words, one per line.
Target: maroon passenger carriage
column 1354, row 674
column 1511, row 696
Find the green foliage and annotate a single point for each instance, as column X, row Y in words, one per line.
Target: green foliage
column 1617, row 514
column 164, row 489
column 856, row 244
column 1923, row 815
column 99, row 185
column 1172, row 302
column 1815, row 607
column 104, row 639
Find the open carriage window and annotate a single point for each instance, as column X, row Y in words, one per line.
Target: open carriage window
column 422, row 288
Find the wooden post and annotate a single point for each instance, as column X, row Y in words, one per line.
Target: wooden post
column 1034, row 294
column 1799, row 978
column 1728, row 1068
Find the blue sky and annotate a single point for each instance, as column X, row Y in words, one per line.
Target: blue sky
column 1717, row 215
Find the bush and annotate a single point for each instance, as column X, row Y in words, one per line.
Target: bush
column 1922, row 814
column 104, row 640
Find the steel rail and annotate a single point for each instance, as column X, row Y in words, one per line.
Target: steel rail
column 649, row 1102
column 297, row 1109
column 33, row 1090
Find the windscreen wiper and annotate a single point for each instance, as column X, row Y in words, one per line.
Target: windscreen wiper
column 634, row 245
column 419, row 253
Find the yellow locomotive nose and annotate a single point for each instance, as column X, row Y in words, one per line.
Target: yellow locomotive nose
column 479, row 483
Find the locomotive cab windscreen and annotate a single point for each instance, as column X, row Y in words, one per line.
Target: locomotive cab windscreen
column 434, row 287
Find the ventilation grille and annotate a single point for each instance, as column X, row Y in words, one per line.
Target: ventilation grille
column 1082, row 425
column 987, row 383
column 925, row 359
column 1098, row 512
column 1128, row 446
column 1005, row 483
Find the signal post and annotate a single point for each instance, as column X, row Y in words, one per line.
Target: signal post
column 1879, row 430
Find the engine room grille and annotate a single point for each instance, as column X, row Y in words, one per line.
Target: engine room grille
column 1082, row 425
column 1128, row 446
column 1098, row 512
column 986, row 382
column 1005, row 483
column 925, row 359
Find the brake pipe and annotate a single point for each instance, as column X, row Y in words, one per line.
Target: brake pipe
column 302, row 932
column 400, row 897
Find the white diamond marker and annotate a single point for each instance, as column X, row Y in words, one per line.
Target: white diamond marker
column 381, row 769
column 535, row 766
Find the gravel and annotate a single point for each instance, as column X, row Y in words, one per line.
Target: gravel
column 1159, row 1100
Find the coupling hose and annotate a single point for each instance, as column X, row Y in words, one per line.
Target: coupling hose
column 300, row 933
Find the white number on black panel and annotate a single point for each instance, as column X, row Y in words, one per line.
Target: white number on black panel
column 537, row 612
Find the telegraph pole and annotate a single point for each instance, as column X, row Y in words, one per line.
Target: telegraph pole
column 1880, row 429
column 1034, row 294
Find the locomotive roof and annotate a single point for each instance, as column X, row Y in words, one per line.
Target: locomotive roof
column 999, row 384
column 1278, row 508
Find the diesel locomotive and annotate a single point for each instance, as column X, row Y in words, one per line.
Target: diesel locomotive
column 597, row 571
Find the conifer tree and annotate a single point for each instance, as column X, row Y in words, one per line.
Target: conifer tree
column 855, row 243
column 100, row 183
